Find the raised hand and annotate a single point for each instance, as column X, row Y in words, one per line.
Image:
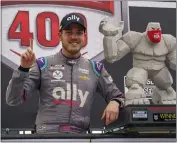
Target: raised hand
column 108, row 28
column 27, row 58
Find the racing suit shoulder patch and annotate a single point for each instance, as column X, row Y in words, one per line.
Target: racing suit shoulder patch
column 97, row 67
column 42, row 62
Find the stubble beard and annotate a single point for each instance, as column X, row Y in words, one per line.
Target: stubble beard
column 72, row 49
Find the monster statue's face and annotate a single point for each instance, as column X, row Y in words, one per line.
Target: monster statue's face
column 154, row 32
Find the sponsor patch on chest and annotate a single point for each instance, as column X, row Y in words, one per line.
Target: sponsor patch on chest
column 57, row 67
column 84, row 71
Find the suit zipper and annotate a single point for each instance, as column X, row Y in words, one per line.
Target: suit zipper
column 71, row 92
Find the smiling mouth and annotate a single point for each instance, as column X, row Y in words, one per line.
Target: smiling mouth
column 74, row 43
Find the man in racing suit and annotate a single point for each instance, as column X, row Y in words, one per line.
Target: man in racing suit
column 66, row 84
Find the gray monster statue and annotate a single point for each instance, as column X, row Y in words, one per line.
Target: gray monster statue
column 151, row 50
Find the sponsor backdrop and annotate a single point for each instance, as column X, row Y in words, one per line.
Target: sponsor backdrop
column 40, row 20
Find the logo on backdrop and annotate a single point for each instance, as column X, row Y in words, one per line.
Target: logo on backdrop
column 148, row 89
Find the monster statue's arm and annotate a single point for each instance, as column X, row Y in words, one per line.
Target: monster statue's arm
column 172, row 59
column 170, row 42
column 115, row 45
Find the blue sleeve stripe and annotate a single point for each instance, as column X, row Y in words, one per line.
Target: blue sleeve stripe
column 42, row 63
column 94, row 68
column 45, row 65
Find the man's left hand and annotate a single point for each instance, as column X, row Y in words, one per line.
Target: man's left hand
column 111, row 112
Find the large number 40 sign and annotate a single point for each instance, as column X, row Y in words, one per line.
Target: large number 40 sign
column 22, row 20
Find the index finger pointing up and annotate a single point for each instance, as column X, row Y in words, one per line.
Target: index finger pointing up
column 31, row 44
